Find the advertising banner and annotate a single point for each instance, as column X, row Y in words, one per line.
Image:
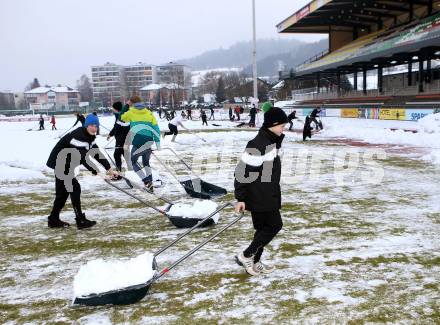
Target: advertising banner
column 350, row 112
column 392, row 114
column 417, row 114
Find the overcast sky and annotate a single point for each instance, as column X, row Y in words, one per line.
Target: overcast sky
column 58, row 40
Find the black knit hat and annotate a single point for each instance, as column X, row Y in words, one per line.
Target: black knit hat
column 117, row 106
column 275, row 116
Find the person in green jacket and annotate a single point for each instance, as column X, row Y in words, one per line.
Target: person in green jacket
column 144, row 130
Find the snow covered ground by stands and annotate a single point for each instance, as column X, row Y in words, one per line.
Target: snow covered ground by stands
column 359, row 241
column 99, row 276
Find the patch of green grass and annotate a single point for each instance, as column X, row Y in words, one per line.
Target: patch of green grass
column 406, row 163
column 289, row 250
column 373, row 261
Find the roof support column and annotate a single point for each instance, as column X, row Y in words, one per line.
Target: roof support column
column 380, row 78
column 338, row 81
column 421, row 74
column 355, row 80
column 410, row 72
column 429, row 7
column 428, row 70
column 364, row 80
column 318, row 83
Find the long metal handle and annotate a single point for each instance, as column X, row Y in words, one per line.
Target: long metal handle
column 178, row 157
column 140, row 187
column 195, row 249
column 136, row 198
column 161, row 250
column 166, row 167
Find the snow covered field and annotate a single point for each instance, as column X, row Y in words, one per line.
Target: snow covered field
column 360, row 243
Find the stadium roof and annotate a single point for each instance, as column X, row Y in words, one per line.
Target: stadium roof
column 388, row 45
column 318, row 15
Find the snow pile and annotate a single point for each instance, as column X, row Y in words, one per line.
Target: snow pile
column 100, row 276
column 198, row 210
column 430, row 123
column 14, row 174
column 378, row 132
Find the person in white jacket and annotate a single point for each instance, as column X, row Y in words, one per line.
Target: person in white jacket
column 173, row 126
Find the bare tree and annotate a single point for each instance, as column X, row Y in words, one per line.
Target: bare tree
column 85, row 88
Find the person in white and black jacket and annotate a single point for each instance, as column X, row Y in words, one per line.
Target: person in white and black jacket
column 257, row 188
column 74, row 149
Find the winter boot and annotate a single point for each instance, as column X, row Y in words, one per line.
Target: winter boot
column 82, row 222
column 55, row 222
column 263, row 268
column 247, row 263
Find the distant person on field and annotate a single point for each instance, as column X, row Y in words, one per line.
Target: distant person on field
column 204, row 117
column 41, row 122
column 291, row 117
column 79, row 118
column 53, row 122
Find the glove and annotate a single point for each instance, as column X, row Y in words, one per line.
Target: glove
column 112, row 173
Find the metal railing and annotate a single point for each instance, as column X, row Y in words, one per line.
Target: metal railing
column 332, row 93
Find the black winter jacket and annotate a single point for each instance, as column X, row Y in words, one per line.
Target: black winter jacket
column 258, row 174
column 80, row 118
column 81, row 140
column 315, row 113
column 120, row 130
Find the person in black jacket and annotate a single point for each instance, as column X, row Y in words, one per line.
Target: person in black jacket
column 257, row 188
column 307, row 131
column 252, row 114
column 119, row 131
column 79, row 118
column 204, row 118
column 290, row 118
column 315, row 113
column 74, row 149
column 41, row 122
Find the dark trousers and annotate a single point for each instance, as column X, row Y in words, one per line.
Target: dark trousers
column 118, row 154
column 204, row 121
column 313, row 119
column 61, row 195
column 291, row 125
column 252, row 121
column 267, row 225
column 145, row 155
column 41, row 126
column 119, row 151
column 173, row 129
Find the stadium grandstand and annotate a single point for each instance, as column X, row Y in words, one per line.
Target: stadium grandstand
column 382, row 53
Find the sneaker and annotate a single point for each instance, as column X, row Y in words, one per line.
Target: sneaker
column 56, row 223
column 149, row 187
column 263, row 268
column 83, row 223
column 247, row 263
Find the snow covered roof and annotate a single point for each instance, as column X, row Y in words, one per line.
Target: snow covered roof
column 161, row 86
column 279, row 85
column 57, row 89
